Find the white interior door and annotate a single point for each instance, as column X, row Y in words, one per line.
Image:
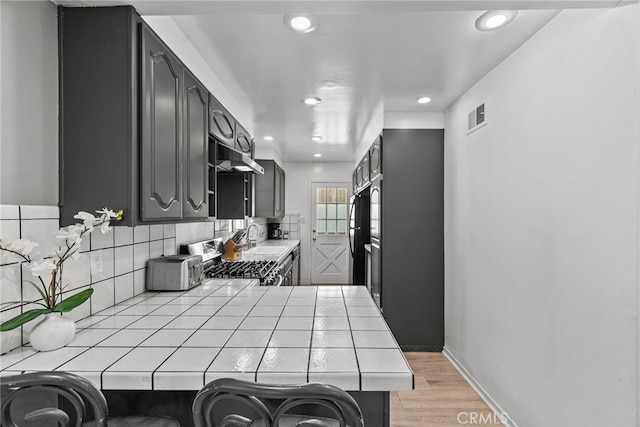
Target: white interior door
column 330, row 232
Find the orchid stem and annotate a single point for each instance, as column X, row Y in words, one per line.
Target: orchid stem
column 52, row 289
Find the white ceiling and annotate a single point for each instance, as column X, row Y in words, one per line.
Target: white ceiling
column 364, row 59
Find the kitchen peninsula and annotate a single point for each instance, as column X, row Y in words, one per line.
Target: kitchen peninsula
column 171, row 344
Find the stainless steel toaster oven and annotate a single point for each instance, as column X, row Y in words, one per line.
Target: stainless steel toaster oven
column 174, row 273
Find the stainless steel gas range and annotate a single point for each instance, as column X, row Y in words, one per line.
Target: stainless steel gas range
column 268, row 272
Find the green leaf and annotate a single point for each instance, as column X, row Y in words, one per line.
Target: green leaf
column 72, row 302
column 44, row 296
column 23, row 318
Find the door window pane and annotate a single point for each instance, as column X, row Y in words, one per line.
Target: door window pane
column 342, row 227
column 342, row 211
column 331, row 211
column 321, row 211
column 321, row 195
column 321, row 226
column 342, row 195
column 331, row 195
column 331, row 227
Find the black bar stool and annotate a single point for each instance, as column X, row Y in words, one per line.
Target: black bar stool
column 63, row 397
column 228, row 402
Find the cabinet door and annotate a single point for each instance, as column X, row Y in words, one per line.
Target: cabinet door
column 277, row 191
column 375, row 158
column 365, row 170
column 196, row 136
column 221, row 124
column 281, row 202
column 243, row 140
column 161, row 154
column 249, row 195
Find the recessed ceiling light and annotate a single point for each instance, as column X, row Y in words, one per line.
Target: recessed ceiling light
column 301, row 23
column 494, row 19
column 317, row 155
column 317, row 138
column 424, row 100
column 312, row 100
column 268, row 138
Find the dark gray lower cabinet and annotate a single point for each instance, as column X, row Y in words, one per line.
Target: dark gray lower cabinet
column 412, row 239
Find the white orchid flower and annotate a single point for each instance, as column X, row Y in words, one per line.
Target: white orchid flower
column 87, row 218
column 107, row 213
column 70, row 235
column 22, row 246
column 42, row 268
column 76, row 256
column 105, row 228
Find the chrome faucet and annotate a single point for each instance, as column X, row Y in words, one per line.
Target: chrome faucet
column 253, row 243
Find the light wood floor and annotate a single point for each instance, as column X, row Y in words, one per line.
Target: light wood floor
column 441, row 397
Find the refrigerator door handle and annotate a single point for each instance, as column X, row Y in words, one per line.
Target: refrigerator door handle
column 353, row 205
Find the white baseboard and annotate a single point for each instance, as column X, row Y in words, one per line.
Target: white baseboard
column 484, row 395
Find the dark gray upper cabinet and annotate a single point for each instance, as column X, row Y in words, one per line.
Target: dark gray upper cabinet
column 270, row 190
column 244, row 142
column 196, row 141
column 222, row 125
column 99, row 104
column 235, row 195
column 127, row 121
column 161, row 142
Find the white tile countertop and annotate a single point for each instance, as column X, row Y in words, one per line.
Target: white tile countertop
column 231, row 328
column 270, row 250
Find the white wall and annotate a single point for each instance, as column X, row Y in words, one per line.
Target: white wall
column 29, row 103
column 298, row 178
column 542, row 225
column 401, row 120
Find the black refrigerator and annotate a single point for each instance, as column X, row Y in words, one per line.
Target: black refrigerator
column 359, row 235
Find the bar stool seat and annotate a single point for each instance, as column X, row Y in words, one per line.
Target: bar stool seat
column 62, row 397
column 228, row 402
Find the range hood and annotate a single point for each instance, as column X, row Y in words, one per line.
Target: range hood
column 231, row 160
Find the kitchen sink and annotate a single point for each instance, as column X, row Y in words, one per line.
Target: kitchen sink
column 266, row 250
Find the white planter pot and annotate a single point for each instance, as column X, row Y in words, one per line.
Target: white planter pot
column 52, row 332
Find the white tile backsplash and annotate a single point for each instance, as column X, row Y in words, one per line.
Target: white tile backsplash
column 141, row 233
column 125, row 252
column 156, row 232
column 123, row 235
column 104, row 271
column 123, row 259
column 9, row 230
column 42, row 231
column 100, row 240
column 140, row 255
column 9, row 212
column 124, row 287
column 169, row 231
column 39, row 212
column 103, row 295
column 155, row 249
column 139, row 283
column 169, row 247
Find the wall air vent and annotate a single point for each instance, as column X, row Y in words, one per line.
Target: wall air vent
column 477, row 119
